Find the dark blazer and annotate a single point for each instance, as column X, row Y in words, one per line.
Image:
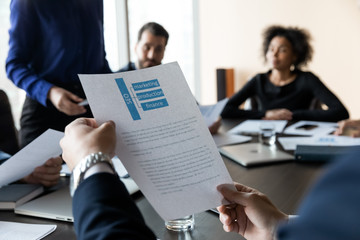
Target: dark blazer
column 103, row 209
column 332, row 209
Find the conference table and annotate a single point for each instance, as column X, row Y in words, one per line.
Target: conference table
column 286, row 184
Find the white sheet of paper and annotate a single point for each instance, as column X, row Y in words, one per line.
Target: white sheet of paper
column 253, row 126
column 223, row 139
column 33, row 155
column 211, row 113
column 24, row 231
column 162, row 138
column 290, row 143
column 321, row 128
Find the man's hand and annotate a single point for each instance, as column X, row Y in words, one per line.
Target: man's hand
column 66, row 101
column 250, row 213
column 348, row 128
column 83, row 137
column 47, row 174
column 278, row 114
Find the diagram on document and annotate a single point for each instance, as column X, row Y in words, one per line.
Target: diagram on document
column 146, row 95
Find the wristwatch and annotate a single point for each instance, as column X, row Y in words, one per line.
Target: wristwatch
column 77, row 175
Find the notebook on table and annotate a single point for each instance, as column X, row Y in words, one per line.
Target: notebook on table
column 17, row 194
column 250, row 154
column 57, row 205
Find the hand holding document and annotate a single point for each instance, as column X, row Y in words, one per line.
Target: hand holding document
column 33, row 155
column 211, row 113
column 162, row 139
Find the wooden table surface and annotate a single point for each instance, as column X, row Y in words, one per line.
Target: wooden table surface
column 285, row 183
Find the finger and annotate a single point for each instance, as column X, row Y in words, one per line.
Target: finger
column 47, row 183
column 53, row 162
column 232, row 195
column 44, row 169
column 74, row 97
column 356, row 134
column 80, row 123
column 71, row 108
column 243, row 188
column 46, row 176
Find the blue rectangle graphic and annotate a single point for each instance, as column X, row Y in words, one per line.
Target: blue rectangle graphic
column 150, row 94
column 154, row 104
column 146, row 85
column 127, row 98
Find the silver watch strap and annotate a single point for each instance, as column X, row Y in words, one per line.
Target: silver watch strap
column 86, row 163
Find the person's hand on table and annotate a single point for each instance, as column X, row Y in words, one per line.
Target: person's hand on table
column 348, row 128
column 83, row 137
column 278, row 114
column 250, row 213
column 66, row 101
column 214, row 128
column 47, row 174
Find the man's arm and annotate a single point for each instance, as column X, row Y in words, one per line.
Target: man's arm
column 102, row 206
column 103, row 209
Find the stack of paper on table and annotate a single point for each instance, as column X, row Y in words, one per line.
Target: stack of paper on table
column 24, row 231
column 16, row 194
column 290, row 143
column 253, row 126
column 311, row 128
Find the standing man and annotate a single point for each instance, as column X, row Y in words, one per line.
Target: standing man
column 150, row 47
column 51, row 42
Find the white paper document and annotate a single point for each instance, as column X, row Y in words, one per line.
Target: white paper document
column 311, row 128
column 24, row 231
column 290, row 143
column 211, row 113
column 223, row 139
column 33, row 155
column 253, row 126
column 162, row 139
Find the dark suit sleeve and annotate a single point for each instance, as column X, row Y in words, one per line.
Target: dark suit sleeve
column 332, row 208
column 103, row 209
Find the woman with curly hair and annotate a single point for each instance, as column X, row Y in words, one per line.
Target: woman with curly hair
column 286, row 92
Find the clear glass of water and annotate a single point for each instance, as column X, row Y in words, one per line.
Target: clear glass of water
column 181, row 224
column 267, row 133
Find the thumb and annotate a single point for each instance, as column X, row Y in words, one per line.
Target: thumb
column 107, row 128
column 232, row 195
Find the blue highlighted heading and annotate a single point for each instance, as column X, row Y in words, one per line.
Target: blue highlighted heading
column 150, row 94
column 154, row 104
column 146, row 85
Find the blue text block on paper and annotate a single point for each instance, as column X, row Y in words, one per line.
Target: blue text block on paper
column 154, row 104
column 150, row 94
column 127, row 98
column 146, row 85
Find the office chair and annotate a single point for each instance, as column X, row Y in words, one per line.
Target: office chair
column 8, row 132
